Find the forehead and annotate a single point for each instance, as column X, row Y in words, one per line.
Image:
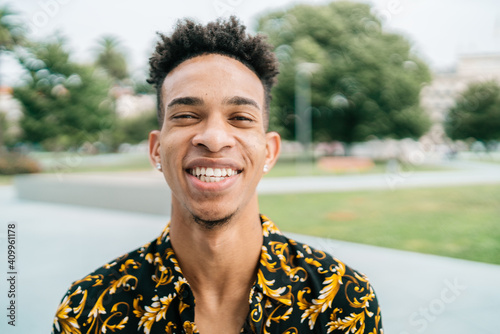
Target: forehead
column 212, row 76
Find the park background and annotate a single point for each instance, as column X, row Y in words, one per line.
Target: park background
column 390, row 111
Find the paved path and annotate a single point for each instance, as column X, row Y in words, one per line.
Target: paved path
column 460, row 173
column 59, row 243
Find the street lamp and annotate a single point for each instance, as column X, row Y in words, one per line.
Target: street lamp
column 303, row 114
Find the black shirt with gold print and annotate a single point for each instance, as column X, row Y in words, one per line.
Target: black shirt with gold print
column 298, row 289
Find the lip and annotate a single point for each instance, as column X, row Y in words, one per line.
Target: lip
column 212, row 186
column 213, row 163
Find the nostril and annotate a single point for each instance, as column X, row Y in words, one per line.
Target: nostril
column 213, row 143
column 201, row 145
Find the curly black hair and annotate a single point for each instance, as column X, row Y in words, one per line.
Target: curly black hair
column 226, row 38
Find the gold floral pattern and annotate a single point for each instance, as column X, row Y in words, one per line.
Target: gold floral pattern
column 298, row 289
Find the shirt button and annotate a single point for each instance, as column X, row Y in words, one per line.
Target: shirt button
column 184, row 293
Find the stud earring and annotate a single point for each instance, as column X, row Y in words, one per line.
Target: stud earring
column 266, row 169
column 158, row 166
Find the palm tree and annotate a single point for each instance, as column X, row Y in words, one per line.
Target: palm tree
column 111, row 57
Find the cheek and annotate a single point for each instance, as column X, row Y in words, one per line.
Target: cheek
column 170, row 148
column 255, row 146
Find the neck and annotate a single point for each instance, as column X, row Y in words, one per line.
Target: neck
column 221, row 261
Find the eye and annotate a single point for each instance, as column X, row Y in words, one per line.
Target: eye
column 187, row 116
column 184, row 118
column 242, row 118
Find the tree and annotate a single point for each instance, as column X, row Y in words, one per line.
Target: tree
column 11, row 35
column 141, row 86
column 11, row 31
column 134, row 130
column 476, row 113
column 368, row 81
column 111, row 58
column 65, row 104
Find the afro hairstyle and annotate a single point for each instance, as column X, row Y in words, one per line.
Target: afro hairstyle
column 228, row 38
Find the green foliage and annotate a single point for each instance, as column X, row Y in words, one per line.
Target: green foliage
column 142, row 87
column 111, row 58
column 368, row 81
column 476, row 113
column 15, row 163
column 8, row 132
column 65, row 104
column 11, row 31
column 134, row 130
column 3, row 128
column 11, row 34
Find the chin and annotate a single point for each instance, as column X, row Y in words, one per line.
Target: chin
column 213, row 218
column 212, row 211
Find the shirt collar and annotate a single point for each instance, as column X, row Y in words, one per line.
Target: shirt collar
column 275, row 274
column 168, row 273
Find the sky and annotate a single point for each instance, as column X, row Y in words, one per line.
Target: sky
column 440, row 30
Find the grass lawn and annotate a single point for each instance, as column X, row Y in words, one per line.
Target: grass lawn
column 490, row 161
column 460, row 222
column 6, row 180
column 137, row 165
column 288, row 168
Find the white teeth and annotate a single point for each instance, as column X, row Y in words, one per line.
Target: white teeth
column 209, row 174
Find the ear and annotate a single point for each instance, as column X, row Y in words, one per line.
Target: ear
column 154, row 147
column 273, row 147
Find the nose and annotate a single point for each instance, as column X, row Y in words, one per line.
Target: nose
column 214, row 135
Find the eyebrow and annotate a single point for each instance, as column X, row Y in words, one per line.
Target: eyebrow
column 188, row 100
column 196, row 101
column 241, row 101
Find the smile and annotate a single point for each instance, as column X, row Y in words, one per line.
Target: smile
column 208, row 174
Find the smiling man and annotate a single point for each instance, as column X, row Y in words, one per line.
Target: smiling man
column 218, row 266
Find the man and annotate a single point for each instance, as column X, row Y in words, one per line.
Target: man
column 219, row 266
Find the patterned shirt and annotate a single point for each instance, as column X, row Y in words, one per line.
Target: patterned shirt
column 298, row 289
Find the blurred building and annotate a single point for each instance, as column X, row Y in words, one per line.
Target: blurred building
column 438, row 97
column 129, row 104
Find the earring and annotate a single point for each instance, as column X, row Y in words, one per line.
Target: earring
column 158, row 166
column 266, row 168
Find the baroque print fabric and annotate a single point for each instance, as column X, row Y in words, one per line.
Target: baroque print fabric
column 298, row 289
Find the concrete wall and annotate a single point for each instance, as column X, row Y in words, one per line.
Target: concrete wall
column 144, row 192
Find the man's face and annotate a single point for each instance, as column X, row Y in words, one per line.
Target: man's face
column 213, row 146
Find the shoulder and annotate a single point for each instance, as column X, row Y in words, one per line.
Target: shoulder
column 123, row 268
column 329, row 293
column 336, row 295
column 318, row 265
column 116, row 281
